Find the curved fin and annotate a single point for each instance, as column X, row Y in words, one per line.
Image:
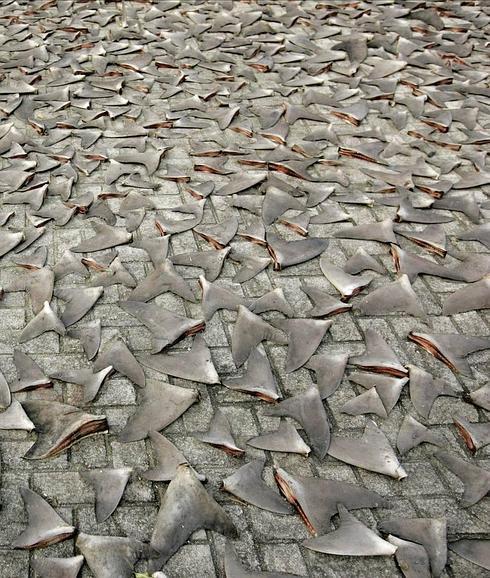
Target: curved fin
column 45, row 320
column 79, row 301
column 285, row 439
column 329, row 369
column 220, row 436
column 29, row 374
column 89, row 336
column 162, row 279
column 412, row 433
column 58, row 567
column 378, row 357
column 425, row 389
column 116, row 354
column 109, row 486
column 476, row 551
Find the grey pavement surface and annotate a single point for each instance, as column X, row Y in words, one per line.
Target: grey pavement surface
column 166, row 52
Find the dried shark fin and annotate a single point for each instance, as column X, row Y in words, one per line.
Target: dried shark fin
column 5, row 395
column 79, row 301
column 378, row 357
column 274, row 300
column 347, row 285
column 475, row 435
column 89, row 336
column 397, row 296
column 308, row 410
column 195, row 364
column 220, row 436
column 14, row 417
column 109, row 486
column 425, row 389
column 91, row 382
column 165, row 326
column 288, row 253
column 162, row 279
column 352, row 538
column 469, row 298
column 218, row 235
column 412, row 265
column 216, row 297
column 116, row 354
column 156, row 248
column 381, row 231
column 324, row 304
column 362, row 261
column 211, row 261
column 258, row 378
column 109, row 556
column 59, row 426
column 329, row 370
column 371, row 451
column 29, row 374
column 412, row 433
column 285, row 439
column 247, row 485
column 45, row 526
column 432, row 238
column 412, row 559
column 45, row 320
column 304, row 337
column 431, row 533
column 235, row 569
column 476, row 551
column 161, row 404
column 316, row 499
column 451, row 349
column 105, row 237
column 481, row 396
column 58, row 567
column 185, row 508
column 168, row 459
column 476, row 480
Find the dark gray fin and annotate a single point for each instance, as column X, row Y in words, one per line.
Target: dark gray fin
column 240, row 184
column 412, row 433
column 272, row 301
column 431, row 533
column 251, row 266
column 185, row 508
column 425, row 389
column 59, row 426
column 89, row 336
column 247, row 485
column 166, row 327
column 29, row 374
column 479, row 233
column 109, row 486
column 109, row 556
column 329, row 213
column 168, row 459
column 254, row 233
column 367, row 402
column 248, row 332
column 288, row 253
column 211, row 261
column 277, row 202
column 307, row 409
column 219, row 235
column 220, row 436
column 462, row 202
column 14, row 417
column 475, row 435
column 304, row 337
column 164, row 278
column 352, row 538
column 105, row 237
column 258, row 379
column 117, row 355
column 362, row 261
column 57, row 567
column 115, row 274
column 476, row 551
column 481, row 396
column 394, row 297
column 35, row 260
column 432, row 238
column 235, row 569
column 451, row 349
column 161, row 404
column 195, row 364
column 347, row 285
column 381, row 231
column 200, row 190
column 32, row 197
column 45, row 527
column 412, row 559
column 102, row 210
column 39, row 284
column 372, row 451
column 329, row 370
column 285, row 439
column 69, row 263
column 175, row 226
column 216, row 297
column 91, row 382
column 5, row 397
column 406, row 212
column 476, row 480
column 378, row 357
column 469, row 298
column 156, row 247
column 324, row 304
column 316, row 499
column 79, row 301
column 413, row 266
column 45, row 320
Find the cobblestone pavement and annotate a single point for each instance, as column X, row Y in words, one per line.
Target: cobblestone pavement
column 127, row 77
